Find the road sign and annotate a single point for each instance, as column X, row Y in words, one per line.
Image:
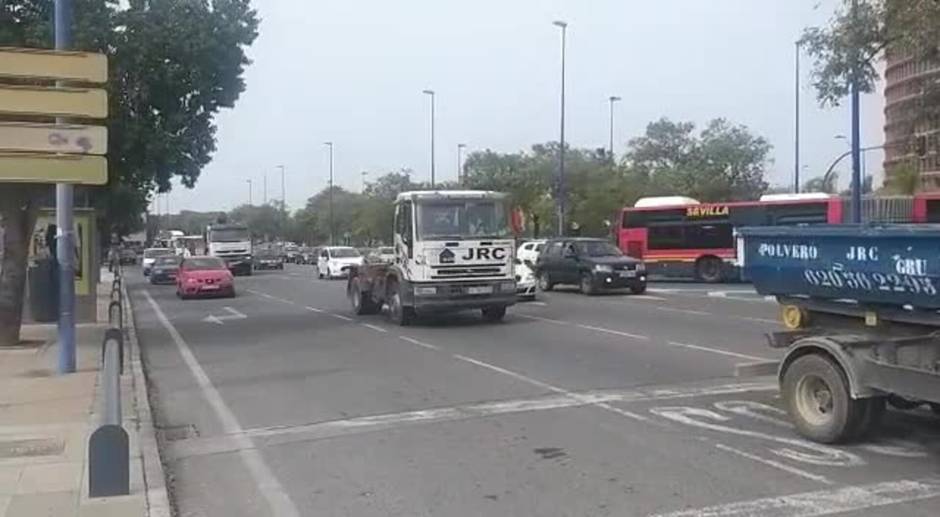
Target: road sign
column 53, row 168
column 32, row 63
column 36, row 151
column 53, row 138
column 53, row 102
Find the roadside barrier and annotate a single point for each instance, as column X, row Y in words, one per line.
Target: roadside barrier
column 108, row 453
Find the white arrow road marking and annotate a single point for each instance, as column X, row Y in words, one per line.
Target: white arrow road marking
column 232, row 315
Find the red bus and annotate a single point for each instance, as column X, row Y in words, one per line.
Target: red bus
column 680, row 237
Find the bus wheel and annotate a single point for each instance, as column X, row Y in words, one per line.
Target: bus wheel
column 708, row 269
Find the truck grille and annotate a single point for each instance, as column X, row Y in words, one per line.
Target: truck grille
column 457, row 272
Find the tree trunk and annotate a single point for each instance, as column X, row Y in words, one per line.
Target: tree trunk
column 536, row 226
column 18, row 209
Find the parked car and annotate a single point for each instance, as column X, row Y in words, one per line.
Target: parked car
column 335, row 261
column 268, row 260
column 525, row 280
column 530, row 250
column 151, row 254
column 204, row 276
column 165, row 270
column 591, row 264
column 127, row 257
column 384, row 254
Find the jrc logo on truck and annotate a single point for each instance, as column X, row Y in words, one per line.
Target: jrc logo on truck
column 484, row 254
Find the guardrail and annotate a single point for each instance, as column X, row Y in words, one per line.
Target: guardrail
column 108, row 452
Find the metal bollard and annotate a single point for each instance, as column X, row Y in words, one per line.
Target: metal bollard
column 116, row 314
column 108, row 454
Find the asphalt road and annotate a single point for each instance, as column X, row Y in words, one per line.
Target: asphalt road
column 281, row 402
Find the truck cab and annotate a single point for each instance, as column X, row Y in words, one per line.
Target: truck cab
column 231, row 243
column 452, row 251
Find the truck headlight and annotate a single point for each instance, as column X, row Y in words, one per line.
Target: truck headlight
column 423, row 291
column 603, row 268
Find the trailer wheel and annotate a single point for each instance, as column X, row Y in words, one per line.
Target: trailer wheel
column 361, row 302
column 708, row 270
column 401, row 315
column 816, row 394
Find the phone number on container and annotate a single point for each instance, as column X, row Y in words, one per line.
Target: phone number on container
column 864, row 281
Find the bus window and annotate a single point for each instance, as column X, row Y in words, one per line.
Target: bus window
column 665, row 237
column 707, row 236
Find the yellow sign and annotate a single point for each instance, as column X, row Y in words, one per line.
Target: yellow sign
column 35, row 152
column 35, row 63
column 53, row 138
column 53, row 102
column 706, row 211
column 54, row 168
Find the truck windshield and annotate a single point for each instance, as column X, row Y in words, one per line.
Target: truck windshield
column 228, row 235
column 456, row 220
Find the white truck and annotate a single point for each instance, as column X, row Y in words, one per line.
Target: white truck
column 453, row 251
column 230, row 242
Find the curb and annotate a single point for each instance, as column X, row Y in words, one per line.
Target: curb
column 157, row 498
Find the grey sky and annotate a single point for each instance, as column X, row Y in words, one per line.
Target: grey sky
column 352, row 72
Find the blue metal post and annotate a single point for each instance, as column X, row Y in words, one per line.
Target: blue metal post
column 65, row 242
column 856, row 136
column 796, row 135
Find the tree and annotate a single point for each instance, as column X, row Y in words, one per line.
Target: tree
column 263, row 221
column 173, row 65
column 526, row 177
column 904, row 179
column 824, row 184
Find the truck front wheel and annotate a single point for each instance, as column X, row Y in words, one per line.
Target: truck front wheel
column 494, row 313
column 397, row 311
column 816, row 395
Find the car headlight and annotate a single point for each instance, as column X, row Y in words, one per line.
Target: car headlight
column 192, row 281
column 603, row 268
column 425, row 290
column 641, row 267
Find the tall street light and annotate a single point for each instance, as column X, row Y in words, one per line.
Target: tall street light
column 249, row 192
column 283, row 205
column 430, row 93
column 330, row 145
column 796, row 120
column 612, row 99
column 560, row 196
column 460, row 148
column 364, row 175
column 264, row 189
column 856, row 130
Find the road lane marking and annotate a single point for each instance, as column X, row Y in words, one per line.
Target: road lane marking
column 684, row 311
column 275, row 495
column 270, row 297
column 340, row 316
column 540, row 304
column 549, row 387
column 823, row 502
column 374, row 327
column 279, row 435
column 419, row 343
column 775, row 464
column 614, row 332
column 313, row 309
column 718, row 351
column 647, row 297
column 539, row 318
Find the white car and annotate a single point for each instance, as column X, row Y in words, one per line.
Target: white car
column 150, row 256
column 525, row 281
column 335, row 261
column 530, row 250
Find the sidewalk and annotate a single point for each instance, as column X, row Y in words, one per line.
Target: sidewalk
column 46, row 419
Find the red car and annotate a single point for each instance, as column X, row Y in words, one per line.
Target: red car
column 204, row 276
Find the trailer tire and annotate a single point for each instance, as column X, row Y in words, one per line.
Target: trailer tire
column 362, row 303
column 708, row 270
column 815, row 391
column 400, row 315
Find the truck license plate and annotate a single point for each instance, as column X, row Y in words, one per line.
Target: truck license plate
column 484, row 289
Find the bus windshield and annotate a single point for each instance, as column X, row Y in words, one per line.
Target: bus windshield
column 456, row 220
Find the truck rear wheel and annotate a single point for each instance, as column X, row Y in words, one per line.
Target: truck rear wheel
column 816, row 394
column 494, row 313
column 397, row 311
column 362, row 303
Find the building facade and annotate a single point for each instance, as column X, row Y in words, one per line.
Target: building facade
column 910, row 136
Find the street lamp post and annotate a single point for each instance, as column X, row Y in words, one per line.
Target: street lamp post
column 330, row 145
column 65, row 223
column 560, row 199
column 460, row 176
column 430, row 93
column 364, row 174
column 796, row 119
column 283, row 205
column 856, row 132
column 612, row 99
column 264, row 189
column 249, row 192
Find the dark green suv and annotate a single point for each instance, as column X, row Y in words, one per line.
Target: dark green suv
column 591, row 264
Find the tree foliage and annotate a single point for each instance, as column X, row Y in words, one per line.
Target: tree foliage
column 173, row 65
